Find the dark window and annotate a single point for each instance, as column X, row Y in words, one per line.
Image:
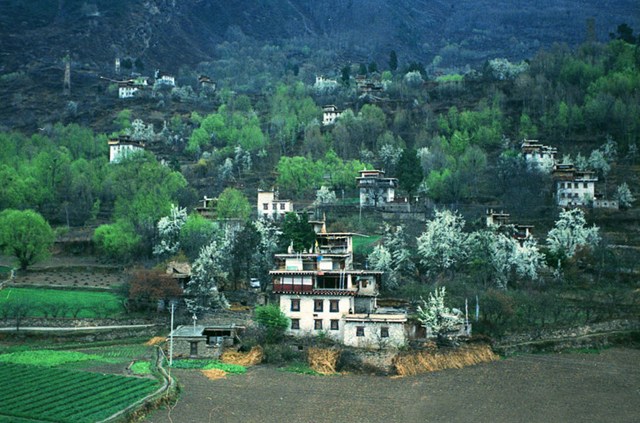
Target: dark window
column 282, row 206
column 295, row 304
column 384, row 332
column 335, row 325
column 194, row 348
column 333, row 306
column 318, row 305
column 265, row 206
column 295, row 323
column 359, row 330
column 364, row 283
column 317, row 324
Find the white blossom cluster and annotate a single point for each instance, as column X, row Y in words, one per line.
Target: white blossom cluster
column 434, row 314
column 169, row 231
column 570, row 233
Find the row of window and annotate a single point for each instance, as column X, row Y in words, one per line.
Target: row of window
column 318, row 305
column 335, row 325
column 575, row 185
column 265, row 206
column 568, row 195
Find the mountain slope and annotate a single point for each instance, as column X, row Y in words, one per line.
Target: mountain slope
column 166, row 32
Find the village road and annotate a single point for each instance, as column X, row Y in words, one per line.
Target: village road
column 526, row 388
column 72, row 328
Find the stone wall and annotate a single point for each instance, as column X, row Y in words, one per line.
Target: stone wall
column 367, row 361
column 595, row 335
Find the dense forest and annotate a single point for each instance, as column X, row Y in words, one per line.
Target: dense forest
column 452, row 140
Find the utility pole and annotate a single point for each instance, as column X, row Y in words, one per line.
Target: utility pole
column 173, row 307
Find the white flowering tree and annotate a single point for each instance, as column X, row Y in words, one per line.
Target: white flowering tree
column 571, row 232
column 528, row 260
column 262, row 258
column 413, row 79
column 169, row 228
column 434, row 315
column 390, row 155
column 443, row 245
column 501, row 258
column 208, row 271
column 393, row 257
column 623, row 196
column 599, row 162
column 502, row 69
column 139, row 131
column 324, row 196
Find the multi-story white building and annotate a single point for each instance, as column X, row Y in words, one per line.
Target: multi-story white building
column 127, row 90
column 122, row 147
column 573, row 187
column 321, row 293
column 270, row 207
column 538, row 155
column 375, row 188
column 329, row 114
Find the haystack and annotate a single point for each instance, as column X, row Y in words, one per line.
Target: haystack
column 249, row 358
column 156, row 340
column 425, row 361
column 213, row 374
column 323, row 360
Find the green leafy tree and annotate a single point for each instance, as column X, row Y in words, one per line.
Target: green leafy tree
column 297, row 231
column 272, row 320
column 25, row 235
column 196, row 233
column 117, row 241
column 233, row 204
column 298, row 175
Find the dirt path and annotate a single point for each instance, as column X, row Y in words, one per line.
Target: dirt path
column 527, row 388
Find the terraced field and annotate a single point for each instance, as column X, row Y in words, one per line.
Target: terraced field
column 56, row 395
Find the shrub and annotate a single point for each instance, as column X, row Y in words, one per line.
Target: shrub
column 273, row 321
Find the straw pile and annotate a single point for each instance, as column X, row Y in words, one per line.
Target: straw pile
column 424, row 361
column 238, row 307
column 322, row 360
column 249, row 358
column 156, row 340
column 213, row 374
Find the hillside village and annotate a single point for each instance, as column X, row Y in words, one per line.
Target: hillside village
column 360, row 219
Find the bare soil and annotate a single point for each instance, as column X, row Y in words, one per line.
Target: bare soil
column 566, row 387
column 69, row 271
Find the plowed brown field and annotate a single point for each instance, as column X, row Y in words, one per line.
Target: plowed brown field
column 527, row 388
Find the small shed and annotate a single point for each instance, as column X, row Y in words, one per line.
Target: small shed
column 204, row 341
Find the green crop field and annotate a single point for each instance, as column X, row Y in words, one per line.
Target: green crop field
column 56, row 395
column 364, row 244
column 62, row 303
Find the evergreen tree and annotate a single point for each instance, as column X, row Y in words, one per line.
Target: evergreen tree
column 393, row 61
column 409, row 171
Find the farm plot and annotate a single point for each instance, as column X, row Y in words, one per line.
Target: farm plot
column 71, row 278
column 56, row 395
column 60, row 303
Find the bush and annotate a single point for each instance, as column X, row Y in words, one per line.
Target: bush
column 281, row 353
column 273, row 321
